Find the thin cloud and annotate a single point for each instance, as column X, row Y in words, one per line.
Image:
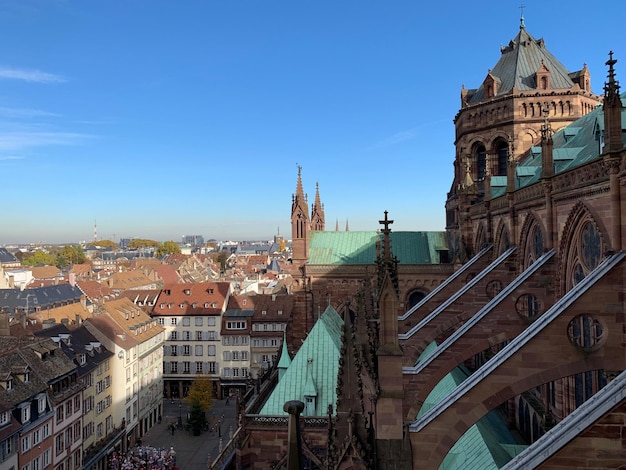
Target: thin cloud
column 4, row 158
column 396, row 138
column 402, row 136
column 23, row 140
column 21, row 113
column 35, row 76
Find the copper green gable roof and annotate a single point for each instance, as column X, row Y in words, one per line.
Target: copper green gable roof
column 349, row 248
column 313, row 371
column 488, row 444
column 574, row 145
column 578, row 143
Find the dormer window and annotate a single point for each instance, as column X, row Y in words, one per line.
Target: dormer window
column 264, row 312
column 168, row 291
column 25, row 412
column 182, row 305
column 82, row 359
column 26, row 377
column 188, row 291
column 5, row 417
column 41, row 403
column 280, row 312
column 9, row 384
column 162, row 305
column 244, row 301
column 214, row 305
column 210, row 291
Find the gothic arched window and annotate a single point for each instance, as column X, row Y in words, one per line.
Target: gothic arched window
column 503, row 158
column 481, row 162
column 534, row 244
column 586, row 252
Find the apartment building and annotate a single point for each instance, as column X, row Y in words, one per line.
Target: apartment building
column 94, row 370
column 136, row 341
column 26, row 412
column 267, row 316
column 49, row 412
column 191, row 315
column 236, row 325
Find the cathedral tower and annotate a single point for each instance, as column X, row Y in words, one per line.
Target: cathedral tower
column 501, row 120
column 300, row 224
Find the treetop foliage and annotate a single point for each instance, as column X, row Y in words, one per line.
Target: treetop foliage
column 167, row 248
column 136, row 243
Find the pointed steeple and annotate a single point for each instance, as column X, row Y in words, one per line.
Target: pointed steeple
column 300, row 224
column 389, row 352
column 317, row 214
column 612, row 110
column 285, row 360
column 347, row 227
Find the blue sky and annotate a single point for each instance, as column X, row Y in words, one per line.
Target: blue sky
column 158, row 119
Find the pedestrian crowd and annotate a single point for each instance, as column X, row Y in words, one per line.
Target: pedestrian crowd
column 144, row 458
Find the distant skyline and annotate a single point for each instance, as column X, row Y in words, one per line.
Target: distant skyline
column 157, row 119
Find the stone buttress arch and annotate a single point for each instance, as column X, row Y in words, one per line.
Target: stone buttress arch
column 480, row 241
column 502, row 239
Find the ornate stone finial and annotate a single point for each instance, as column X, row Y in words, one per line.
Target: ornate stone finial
column 386, row 222
column 511, row 149
column 611, row 88
column 546, row 129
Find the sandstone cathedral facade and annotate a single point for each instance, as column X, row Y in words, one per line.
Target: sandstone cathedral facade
column 497, row 343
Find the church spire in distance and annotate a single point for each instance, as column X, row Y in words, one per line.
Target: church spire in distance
column 300, row 224
column 318, row 221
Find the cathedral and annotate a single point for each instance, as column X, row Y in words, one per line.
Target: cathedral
column 497, row 343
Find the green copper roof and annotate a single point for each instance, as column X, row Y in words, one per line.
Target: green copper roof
column 488, row 444
column 573, row 146
column 285, row 360
column 344, row 248
column 313, row 371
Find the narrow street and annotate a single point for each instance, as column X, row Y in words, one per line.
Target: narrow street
column 193, row 452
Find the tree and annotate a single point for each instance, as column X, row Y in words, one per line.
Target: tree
column 221, row 258
column 137, row 243
column 69, row 255
column 103, row 244
column 167, row 248
column 199, row 399
column 38, row 258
